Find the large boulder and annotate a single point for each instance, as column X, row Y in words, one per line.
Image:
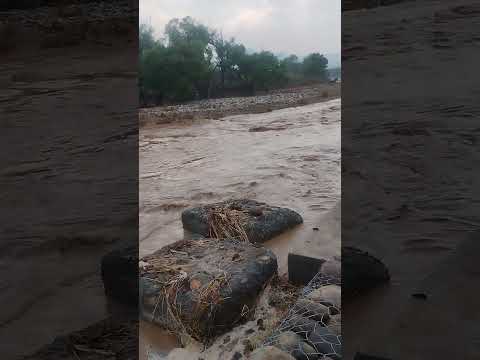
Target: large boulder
column 203, row 287
column 245, row 219
column 361, row 272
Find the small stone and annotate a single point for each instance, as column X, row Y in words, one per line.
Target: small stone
column 335, row 324
column 305, row 352
column 302, row 325
column 182, row 354
column 312, row 310
column 326, row 342
column 237, row 356
column 270, row 353
column 288, row 340
column 293, row 343
column 330, row 295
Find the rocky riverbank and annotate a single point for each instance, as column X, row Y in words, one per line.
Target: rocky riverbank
column 218, row 108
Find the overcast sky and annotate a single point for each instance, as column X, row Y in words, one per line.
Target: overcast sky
column 282, row 26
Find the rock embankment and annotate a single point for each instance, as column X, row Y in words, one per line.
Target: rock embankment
column 218, row 108
column 312, row 327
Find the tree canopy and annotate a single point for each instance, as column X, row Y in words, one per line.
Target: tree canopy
column 315, row 66
column 194, row 62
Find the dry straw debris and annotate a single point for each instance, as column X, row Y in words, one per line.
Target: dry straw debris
column 227, row 222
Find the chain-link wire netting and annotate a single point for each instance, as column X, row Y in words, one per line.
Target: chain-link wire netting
column 312, row 328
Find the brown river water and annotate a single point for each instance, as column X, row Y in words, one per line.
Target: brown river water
column 289, row 157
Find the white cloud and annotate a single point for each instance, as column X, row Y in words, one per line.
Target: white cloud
column 247, row 19
column 287, row 26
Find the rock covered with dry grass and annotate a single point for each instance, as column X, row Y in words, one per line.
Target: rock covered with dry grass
column 243, row 219
column 203, row 288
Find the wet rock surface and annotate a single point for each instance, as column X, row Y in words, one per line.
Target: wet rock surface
column 314, row 310
column 328, row 295
column 259, row 221
column 292, row 343
column 203, row 287
column 361, row 272
column 313, row 324
column 302, row 269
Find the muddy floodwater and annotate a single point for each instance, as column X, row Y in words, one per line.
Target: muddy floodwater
column 288, row 157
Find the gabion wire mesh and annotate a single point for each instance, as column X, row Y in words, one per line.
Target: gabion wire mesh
column 311, row 329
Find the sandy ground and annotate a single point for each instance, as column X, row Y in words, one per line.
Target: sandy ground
column 419, row 215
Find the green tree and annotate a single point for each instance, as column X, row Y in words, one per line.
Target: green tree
column 191, row 59
column 292, row 67
column 146, row 39
column 267, row 70
column 314, row 66
column 187, row 32
column 228, row 56
column 291, row 63
column 177, row 69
